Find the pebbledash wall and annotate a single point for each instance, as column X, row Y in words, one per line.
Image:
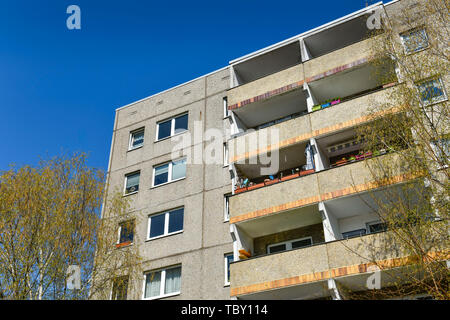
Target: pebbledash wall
column 201, row 247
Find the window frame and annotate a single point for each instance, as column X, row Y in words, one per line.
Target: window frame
column 227, row 280
column 226, row 207
column 409, row 32
column 169, row 173
column 288, row 242
column 172, row 126
column 130, row 141
column 371, row 223
column 114, row 286
column 226, row 154
column 166, row 224
column 125, row 182
column 162, row 283
column 119, row 233
column 226, row 112
column 432, row 101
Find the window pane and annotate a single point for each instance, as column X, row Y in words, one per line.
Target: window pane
column 153, row 284
column 354, row 233
column 164, row 129
column 415, row 40
column 161, row 174
column 278, row 248
column 181, row 124
column 229, row 260
column 301, row 243
column 179, row 169
column 138, row 139
column 132, row 184
column 120, row 289
column 126, row 232
column 431, row 91
column 173, row 280
column 377, row 227
column 176, row 220
column 157, row 225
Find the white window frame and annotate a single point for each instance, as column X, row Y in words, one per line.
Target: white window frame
column 227, row 281
column 225, row 154
column 431, row 102
column 172, row 126
column 166, row 224
column 125, row 183
column 226, row 207
column 409, row 32
column 287, row 243
column 169, row 174
column 226, row 112
column 112, row 289
column 163, row 283
column 130, row 142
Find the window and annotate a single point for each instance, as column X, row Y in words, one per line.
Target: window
column 441, row 150
column 170, row 127
column 120, row 288
column 289, row 245
column 414, row 40
column 164, row 224
column 432, row 91
column 132, row 182
column 162, row 283
column 225, row 154
column 228, row 259
column 168, row 172
column 226, row 213
column 354, row 233
column 136, row 139
column 126, row 232
column 376, row 226
column 226, row 112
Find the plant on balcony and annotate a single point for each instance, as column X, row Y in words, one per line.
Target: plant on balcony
column 335, row 101
column 351, row 158
column 340, row 162
column 316, row 107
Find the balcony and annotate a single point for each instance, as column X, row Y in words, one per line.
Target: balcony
column 337, row 61
column 303, row 273
column 350, row 178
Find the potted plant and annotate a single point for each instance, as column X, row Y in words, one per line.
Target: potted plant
column 340, row 162
column 351, row 159
column 335, row 101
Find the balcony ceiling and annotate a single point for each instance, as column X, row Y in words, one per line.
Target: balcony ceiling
column 268, row 63
column 289, row 157
column 337, row 37
column 264, row 111
column 283, row 221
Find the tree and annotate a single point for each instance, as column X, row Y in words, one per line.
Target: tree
column 415, row 126
column 50, row 219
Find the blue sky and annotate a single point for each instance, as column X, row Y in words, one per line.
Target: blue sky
column 59, row 88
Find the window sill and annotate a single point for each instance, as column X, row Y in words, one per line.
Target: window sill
column 166, row 183
column 164, row 236
column 164, row 296
column 432, row 103
column 169, row 137
column 129, row 194
column 136, row 148
column 123, row 244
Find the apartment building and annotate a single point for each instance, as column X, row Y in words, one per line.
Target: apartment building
column 273, row 210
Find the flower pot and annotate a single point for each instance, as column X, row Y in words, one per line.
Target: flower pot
column 335, row 102
column 315, row 108
column 268, row 183
column 306, row 172
column 123, row 244
column 326, row 105
column 340, row 162
column 256, row 186
column 239, row 190
column 291, row 176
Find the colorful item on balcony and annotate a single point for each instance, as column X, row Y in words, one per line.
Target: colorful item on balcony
column 326, row 105
column 335, row 101
column 316, row 107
